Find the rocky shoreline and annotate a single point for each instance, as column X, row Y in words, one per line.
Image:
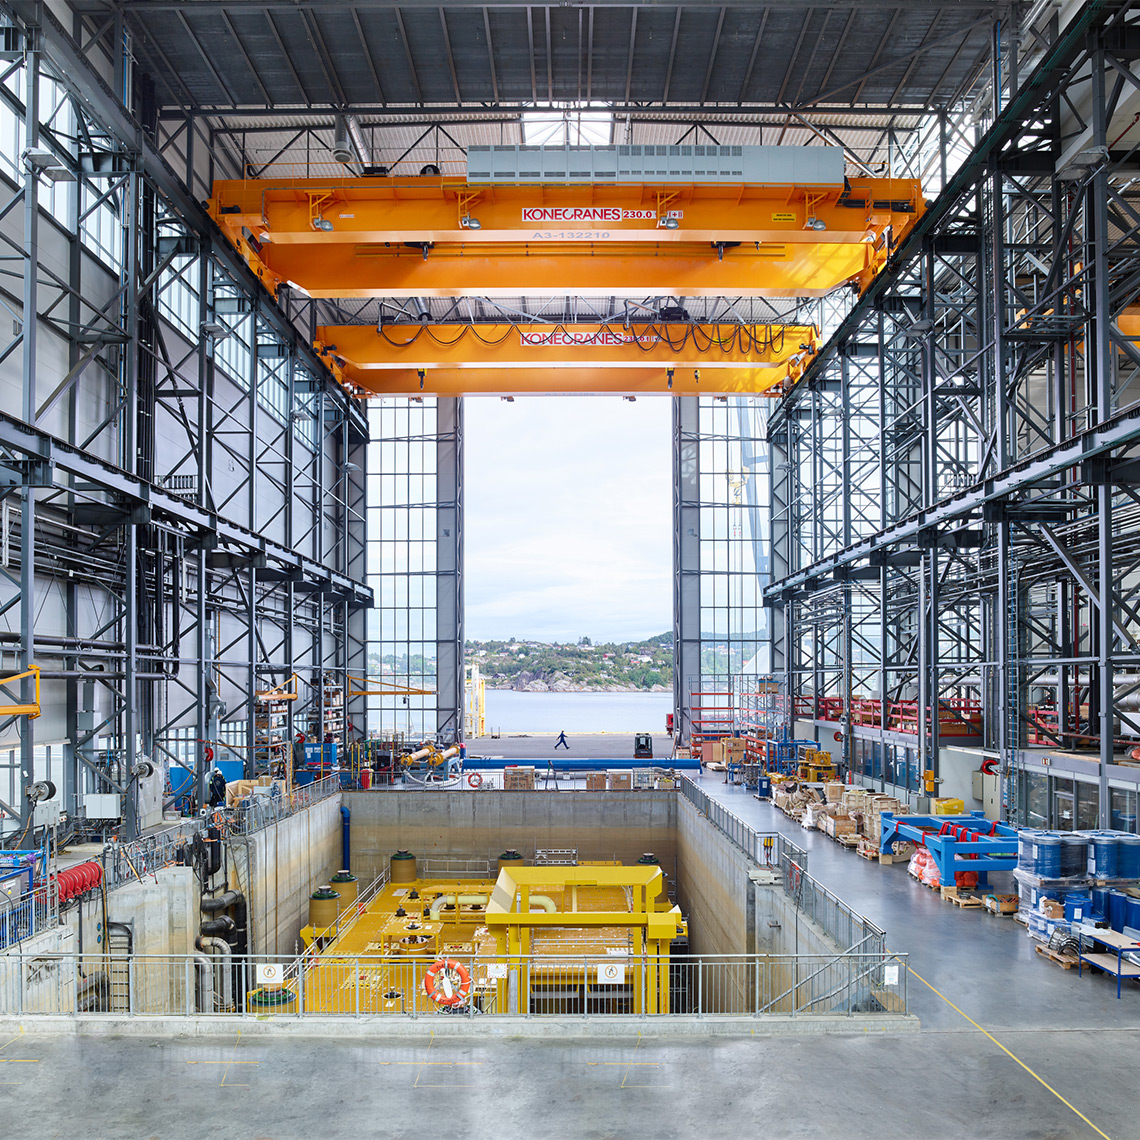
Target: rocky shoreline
column 526, row 683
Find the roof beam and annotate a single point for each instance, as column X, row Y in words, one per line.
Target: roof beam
column 712, row 57
column 450, row 56
column 490, row 53
column 745, row 114
column 629, row 60
column 144, row 6
column 795, row 55
column 222, row 84
column 811, row 58
column 752, row 57
column 245, row 55
column 313, row 30
column 530, row 46
column 368, row 55
column 672, row 55
column 960, row 34
column 408, row 55
column 910, row 66
column 837, row 54
column 276, row 33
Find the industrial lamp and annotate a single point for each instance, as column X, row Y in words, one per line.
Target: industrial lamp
column 467, row 222
column 671, row 224
column 815, row 224
column 43, row 162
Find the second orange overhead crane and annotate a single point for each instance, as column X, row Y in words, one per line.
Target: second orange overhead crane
column 554, row 359
column 440, row 236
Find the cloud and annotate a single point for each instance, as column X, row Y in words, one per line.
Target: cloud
column 568, row 527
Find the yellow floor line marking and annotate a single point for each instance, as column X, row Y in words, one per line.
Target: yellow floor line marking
column 421, row 1065
column 15, row 1060
column 222, row 1083
column 1040, row 1080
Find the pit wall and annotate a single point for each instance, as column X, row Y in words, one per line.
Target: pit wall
column 728, row 913
column 278, row 867
column 474, row 825
column 161, row 913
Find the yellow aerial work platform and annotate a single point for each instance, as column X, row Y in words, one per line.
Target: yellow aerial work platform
column 495, row 359
column 594, row 936
column 441, row 237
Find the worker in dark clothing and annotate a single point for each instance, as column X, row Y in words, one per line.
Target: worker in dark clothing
column 562, row 742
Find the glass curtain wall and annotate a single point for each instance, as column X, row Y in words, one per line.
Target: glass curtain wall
column 414, row 564
column 722, row 549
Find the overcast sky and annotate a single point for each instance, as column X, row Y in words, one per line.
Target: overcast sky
column 568, row 528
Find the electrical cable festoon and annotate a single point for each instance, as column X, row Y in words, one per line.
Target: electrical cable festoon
column 747, row 338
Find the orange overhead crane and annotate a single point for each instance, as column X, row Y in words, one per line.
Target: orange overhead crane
column 443, row 237
column 497, row 359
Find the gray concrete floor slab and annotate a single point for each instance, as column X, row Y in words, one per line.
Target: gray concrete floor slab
column 937, row 1084
column 1011, row 1046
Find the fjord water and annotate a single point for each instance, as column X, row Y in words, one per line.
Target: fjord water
column 509, row 711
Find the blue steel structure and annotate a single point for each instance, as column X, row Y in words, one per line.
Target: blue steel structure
column 783, row 754
column 957, row 842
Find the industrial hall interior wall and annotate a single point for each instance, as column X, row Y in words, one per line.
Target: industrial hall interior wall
column 181, row 484
column 955, row 482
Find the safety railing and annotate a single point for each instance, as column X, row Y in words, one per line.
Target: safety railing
column 860, row 982
column 257, row 811
column 767, row 848
column 28, row 914
column 131, row 862
column 441, row 866
column 843, row 925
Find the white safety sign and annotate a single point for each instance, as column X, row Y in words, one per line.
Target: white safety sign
column 270, row 973
column 611, row 974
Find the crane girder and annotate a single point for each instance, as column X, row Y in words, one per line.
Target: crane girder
column 442, row 237
column 643, row 358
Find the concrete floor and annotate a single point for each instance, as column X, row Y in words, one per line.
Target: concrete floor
column 1030, row 1051
column 540, row 745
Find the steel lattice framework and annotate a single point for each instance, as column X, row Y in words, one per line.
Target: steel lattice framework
column 953, row 482
column 182, row 488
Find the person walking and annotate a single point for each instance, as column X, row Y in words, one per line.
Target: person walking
column 562, row 742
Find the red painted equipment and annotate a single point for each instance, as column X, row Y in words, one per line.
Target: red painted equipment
column 78, row 879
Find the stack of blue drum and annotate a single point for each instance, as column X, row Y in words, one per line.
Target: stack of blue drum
column 1084, row 870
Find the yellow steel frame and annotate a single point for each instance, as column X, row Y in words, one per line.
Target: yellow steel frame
column 280, row 692
column 652, row 922
column 641, row 358
column 404, row 237
column 386, row 689
column 31, row 711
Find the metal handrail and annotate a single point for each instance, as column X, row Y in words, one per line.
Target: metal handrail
column 736, row 985
column 767, row 848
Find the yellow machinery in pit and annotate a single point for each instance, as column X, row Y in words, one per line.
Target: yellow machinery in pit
column 555, row 939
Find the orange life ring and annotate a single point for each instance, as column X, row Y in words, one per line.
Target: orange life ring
column 475, row 780
column 447, row 982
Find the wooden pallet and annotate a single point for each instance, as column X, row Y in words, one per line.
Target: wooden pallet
column 950, row 894
column 1000, row 914
column 1019, row 917
column 1065, row 961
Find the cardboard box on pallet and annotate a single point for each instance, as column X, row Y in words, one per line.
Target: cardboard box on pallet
column 833, row 792
column 620, row 781
column 835, row 825
column 596, row 781
column 518, row 779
